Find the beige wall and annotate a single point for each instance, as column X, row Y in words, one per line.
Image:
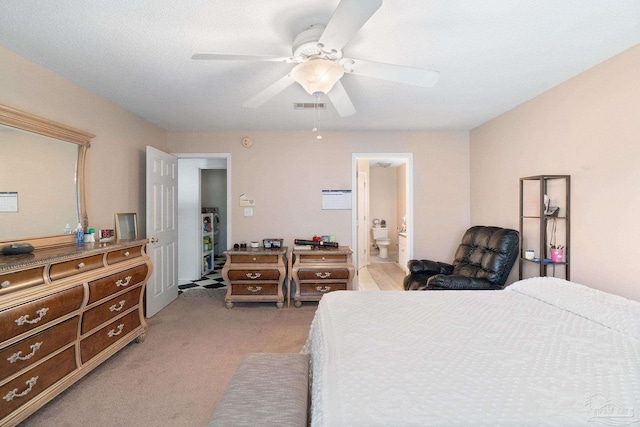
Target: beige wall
column 285, row 172
column 589, row 128
column 116, row 160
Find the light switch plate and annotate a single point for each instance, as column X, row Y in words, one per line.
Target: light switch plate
column 248, row 211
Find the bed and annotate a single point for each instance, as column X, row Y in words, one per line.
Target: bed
column 544, row 351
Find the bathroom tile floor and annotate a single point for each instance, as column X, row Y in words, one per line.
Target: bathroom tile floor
column 209, row 281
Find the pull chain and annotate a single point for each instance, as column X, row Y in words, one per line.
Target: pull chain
column 315, row 120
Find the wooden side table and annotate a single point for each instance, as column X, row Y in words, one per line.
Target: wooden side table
column 319, row 271
column 254, row 275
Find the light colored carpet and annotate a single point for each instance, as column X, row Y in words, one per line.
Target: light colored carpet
column 388, row 275
column 178, row 374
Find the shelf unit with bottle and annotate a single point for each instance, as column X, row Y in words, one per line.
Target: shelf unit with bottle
column 206, row 234
column 545, row 228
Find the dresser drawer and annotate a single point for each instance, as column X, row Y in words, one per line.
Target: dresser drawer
column 76, row 266
column 23, row 318
column 105, row 311
column 106, row 286
column 10, row 282
column 28, row 351
column 109, row 335
column 257, row 289
column 236, row 275
column 336, row 258
column 324, row 274
column 33, row 382
column 114, row 257
column 321, row 288
column 254, row 259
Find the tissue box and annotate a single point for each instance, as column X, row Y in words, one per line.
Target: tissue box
column 272, row 243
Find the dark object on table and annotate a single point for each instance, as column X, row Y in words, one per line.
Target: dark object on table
column 482, row 261
column 17, row 249
column 319, row 243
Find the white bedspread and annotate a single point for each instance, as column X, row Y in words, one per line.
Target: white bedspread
column 542, row 352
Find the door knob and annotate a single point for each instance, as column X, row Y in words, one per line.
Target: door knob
column 153, row 240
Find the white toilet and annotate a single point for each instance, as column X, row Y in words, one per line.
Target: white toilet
column 381, row 236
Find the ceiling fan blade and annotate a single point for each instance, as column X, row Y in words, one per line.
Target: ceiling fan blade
column 241, row 57
column 347, row 19
column 268, row 93
column 394, row 73
column 341, row 101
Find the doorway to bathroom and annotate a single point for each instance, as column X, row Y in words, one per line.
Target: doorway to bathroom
column 382, row 218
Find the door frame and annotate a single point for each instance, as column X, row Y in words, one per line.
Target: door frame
column 408, row 158
column 214, row 156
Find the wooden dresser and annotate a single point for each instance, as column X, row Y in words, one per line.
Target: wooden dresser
column 255, row 274
column 63, row 311
column 318, row 271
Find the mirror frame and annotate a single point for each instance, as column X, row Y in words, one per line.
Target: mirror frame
column 31, row 123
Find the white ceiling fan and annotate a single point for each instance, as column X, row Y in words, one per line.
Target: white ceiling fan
column 318, row 53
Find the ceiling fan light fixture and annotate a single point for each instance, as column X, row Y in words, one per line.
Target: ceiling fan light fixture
column 317, row 75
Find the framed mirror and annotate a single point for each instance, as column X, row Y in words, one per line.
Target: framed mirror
column 126, row 226
column 42, row 185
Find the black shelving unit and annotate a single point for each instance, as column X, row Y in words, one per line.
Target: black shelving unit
column 533, row 217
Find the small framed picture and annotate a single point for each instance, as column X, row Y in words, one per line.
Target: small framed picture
column 126, row 226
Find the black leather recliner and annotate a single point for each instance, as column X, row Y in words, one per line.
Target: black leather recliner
column 482, row 261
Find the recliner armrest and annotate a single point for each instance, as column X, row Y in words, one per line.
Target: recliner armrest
column 457, row 282
column 421, row 266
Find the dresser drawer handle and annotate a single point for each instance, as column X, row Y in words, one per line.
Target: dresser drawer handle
column 5, row 284
column 324, row 259
column 16, row 356
column 25, row 319
column 115, row 307
column 253, row 275
column 80, row 266
column 125, row 283
column 255, row 259
column 14, row 393
column 255, row 288
column 113, row 333
column 126, row 253
column 323, row 275
column 323, row 288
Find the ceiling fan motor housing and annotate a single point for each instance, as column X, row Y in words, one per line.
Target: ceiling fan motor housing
column 305, row 45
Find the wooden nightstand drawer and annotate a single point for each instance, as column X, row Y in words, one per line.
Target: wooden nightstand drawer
column 29, row 351
column 107, row 336
column 254, row 259
column 321, row 288
column 257, row 289
column 25, row 317
column 123, row 254
column 105, row 311
column 76, row 266
column 237, row 275
column 328, row 258
column 28, row 385
column 324, row 274
column 10, row 282
column 109, row 285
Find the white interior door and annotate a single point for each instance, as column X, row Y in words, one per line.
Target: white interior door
column 363, row 219
column 162, row 229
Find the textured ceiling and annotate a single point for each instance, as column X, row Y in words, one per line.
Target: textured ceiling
column 492, row 55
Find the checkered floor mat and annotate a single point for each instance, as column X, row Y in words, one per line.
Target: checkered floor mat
column 210, row 281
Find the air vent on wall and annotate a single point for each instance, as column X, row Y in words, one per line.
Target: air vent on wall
column 309, row 106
